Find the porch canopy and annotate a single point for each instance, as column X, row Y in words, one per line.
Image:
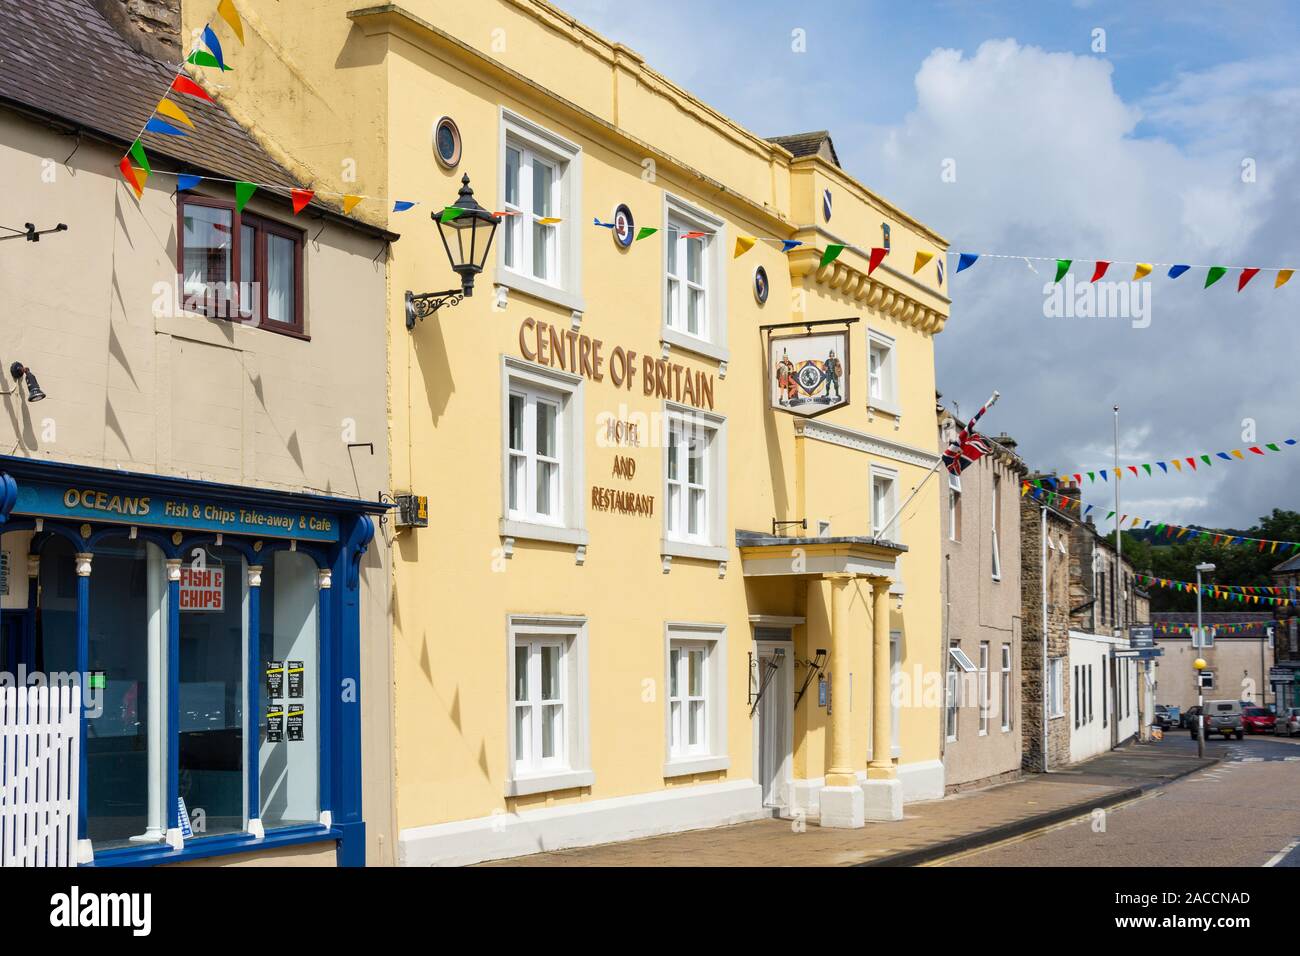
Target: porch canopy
column 767, row 555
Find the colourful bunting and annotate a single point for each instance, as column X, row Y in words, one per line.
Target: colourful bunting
column 183, row 84
column 204, row 58
column 1062, row 267
column 1176, row 271
column 226, row 10
column 830, row 254
column 743, row 245
column 1283, row 277
column 350, row 203
column 644, row 232
column 788, row 244
column 1142, row 271
column 876, row 258
column 1246, row 276
column 549, row 220
column 449, row 214
column 214, row 46
column 137, row 153
column 156, row 125
column 134, row 177
column 966, row 260
column 1214, row 274
column 1099, row 271
column 186, row 182
column 921, row 259
column 169, row 109
column 243, row 193
column 401, row 205
column 300, row 197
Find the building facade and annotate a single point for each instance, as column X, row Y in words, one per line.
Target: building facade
column 651, row 594
column 981, row 587
column 1240, row 659
column 189, row 527
column 1047, row 692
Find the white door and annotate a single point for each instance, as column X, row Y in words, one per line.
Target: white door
column 775, row 718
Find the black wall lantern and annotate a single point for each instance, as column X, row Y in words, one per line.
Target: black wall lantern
column 19, row 370
column 467, row 237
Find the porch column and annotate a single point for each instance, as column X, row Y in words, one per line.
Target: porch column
column 85, row 851
column 841, row 798
column 171, row 811
column 883, row 792
column 253, row 747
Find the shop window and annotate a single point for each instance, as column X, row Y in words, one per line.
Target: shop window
column 548, row 709
column 882, row 380
column 694, row 310
column 541, row 454
column 289, row 745
column 694, row 484
column 540, row 244
column 240, row 266
column 696, row 682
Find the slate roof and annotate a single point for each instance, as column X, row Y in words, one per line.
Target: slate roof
column 1289, row 566
column 62, row 58
column 807, row 144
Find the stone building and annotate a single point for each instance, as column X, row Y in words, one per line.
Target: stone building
column 1045, row 635
column 1240, row 657
column 980, row 518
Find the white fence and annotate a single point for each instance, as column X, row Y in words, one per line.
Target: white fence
column 39, row 737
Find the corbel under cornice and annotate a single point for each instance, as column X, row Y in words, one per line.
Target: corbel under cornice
column 870, row 290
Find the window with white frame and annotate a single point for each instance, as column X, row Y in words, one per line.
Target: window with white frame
column 688, row 690
column 884, row 485
column 547, row 708
column 1055, row 688
column 1078, row 696
column 695, row 731
column 984, row 688
column 952, row 696
column 997, row 520
column 1005, row 695
column 540, row 245
column 694, row 484
column 694, row 315
column 541, row 453
column 882, row 384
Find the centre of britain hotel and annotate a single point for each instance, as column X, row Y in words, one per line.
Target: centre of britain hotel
column 660, row 583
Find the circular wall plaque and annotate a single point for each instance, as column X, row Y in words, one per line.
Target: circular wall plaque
column 624, row 225
column 761, row 286
column 446, row 142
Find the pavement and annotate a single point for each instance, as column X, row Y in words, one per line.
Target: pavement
column 929, row 830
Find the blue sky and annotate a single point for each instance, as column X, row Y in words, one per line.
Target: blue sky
column 1177, row 143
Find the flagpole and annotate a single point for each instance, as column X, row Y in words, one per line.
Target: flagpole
column 1119, row 544
column 917, row 490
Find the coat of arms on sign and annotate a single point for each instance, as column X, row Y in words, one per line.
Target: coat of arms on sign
column 809, row 373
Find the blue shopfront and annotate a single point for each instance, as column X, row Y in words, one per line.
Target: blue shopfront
column 215, row 632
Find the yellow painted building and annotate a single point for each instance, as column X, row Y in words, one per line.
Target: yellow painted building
column 650, row 596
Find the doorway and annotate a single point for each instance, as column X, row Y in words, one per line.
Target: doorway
column 774, row 715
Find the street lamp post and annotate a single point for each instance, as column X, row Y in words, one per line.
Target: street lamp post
column 1200, row 664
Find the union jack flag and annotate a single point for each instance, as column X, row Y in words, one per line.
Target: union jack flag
column 969, row 445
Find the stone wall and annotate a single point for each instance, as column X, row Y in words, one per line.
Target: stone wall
column 1058, row 637
column 153, row 26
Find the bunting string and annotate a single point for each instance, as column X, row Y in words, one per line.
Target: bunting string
column 1147, row 469
column 1232, row 627
column 1171, row 531
column 1242, row 594
column 1213, row 273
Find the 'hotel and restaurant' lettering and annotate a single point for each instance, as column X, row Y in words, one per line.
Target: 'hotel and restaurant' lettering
column 580, row 354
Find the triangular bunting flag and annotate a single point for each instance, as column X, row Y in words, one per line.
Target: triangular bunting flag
column 743, row 245
column 1283, row 277
column 1062, row 267
column 243, row 193
column 183, row 84
column 1142, row 271
column 450, row 213
column 155, row 125
column 921, row 259
column 1099, row 271
column 788, row 244
column 1246, row 276
column 966, row 260
column 877, row 257
column 401, row 205
column 1214, row 274
column 226, row 10
column 350, row 203
column 830, row 254
column 645, row 231
column 214, row 46
column 1176, row 271
column 134, row 178
column 185, row 181
column 141, row 160
column 300, row 199
column 169, row 109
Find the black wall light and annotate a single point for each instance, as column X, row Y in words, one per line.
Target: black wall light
column 19, row 370
column 472, row 230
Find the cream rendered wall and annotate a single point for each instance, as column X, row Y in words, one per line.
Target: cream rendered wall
column 133, row 385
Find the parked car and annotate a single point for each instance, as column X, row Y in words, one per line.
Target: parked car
column 1221, row 717
column 1288, row 722
column 1162, row 718
column 1175, row 715
column 1258, row 720
column 1188, row 720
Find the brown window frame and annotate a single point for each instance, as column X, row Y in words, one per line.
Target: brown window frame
column 263, row 226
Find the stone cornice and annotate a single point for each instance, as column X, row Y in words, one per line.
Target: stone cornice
column 920, row 307
column 861, row 441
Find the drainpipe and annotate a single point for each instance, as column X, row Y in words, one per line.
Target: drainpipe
column 1043, row 689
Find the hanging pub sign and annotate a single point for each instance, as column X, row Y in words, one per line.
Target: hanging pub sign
column 809, row 374
column 203, row 589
